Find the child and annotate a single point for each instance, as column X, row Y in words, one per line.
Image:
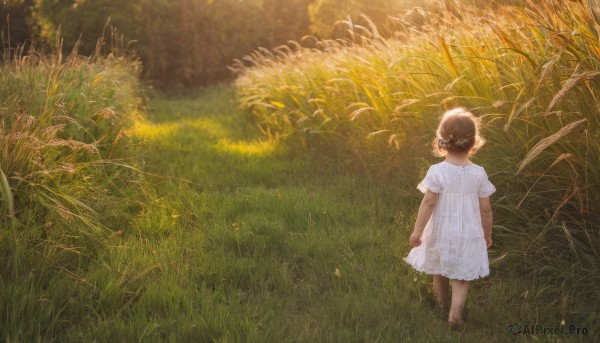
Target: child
column 454, row 224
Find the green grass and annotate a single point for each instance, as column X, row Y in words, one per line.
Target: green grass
column 64, row 178
column 189, row 224
column 529, row 72
column 243, row 238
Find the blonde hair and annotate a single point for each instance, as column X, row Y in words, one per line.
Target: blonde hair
column 458, row 132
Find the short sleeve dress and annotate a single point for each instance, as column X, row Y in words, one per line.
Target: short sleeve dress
column 453, row 243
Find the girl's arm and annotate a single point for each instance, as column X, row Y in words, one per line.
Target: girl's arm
column 485, row 208
column 425, row 211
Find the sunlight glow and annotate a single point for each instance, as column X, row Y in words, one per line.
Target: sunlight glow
column 248, row 148
column 205, row 128
column 148, row 132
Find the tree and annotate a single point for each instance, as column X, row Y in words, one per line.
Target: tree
column 16, row 23
column 83, row 22
column 287, row 19
column 181, row 42
column 324, row 14
column 187, row 43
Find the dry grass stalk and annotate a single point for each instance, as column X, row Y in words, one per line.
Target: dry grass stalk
column 571, row 83
column 546, row 142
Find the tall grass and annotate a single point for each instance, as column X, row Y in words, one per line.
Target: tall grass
column 63, row 180
column 529, row 72
column 257, row 247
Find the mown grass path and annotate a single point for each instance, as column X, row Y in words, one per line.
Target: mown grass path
column 249, row 242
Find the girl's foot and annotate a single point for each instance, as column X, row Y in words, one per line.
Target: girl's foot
column 456, row 322
column 455, row 317
column 457, row 325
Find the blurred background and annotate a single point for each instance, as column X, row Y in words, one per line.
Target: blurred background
column 188, row 43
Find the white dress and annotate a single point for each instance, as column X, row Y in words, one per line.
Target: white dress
column 453, row 243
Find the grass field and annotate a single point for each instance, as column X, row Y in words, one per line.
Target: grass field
column 247, row 242
column 214, row 233
column 528, row 72
column 278, row 208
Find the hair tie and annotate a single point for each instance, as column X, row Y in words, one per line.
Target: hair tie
column 443, row 142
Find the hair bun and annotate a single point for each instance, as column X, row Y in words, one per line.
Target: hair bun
column 458, row 132
column 462, row 143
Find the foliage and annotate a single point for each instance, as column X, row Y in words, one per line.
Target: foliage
column 531, row 75
column 241, row 239
column 325, row 15
column 81, row 23
column 286, row 20
column 189, row 43
column 64, row 182
column 264, row 244
column 182, row 43
column 16, row 24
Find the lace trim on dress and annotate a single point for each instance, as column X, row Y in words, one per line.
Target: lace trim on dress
column 429, row 183
column 426, row 185
column 487, row 190
column 469, row 277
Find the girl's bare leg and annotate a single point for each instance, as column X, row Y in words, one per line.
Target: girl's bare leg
column 459, row 296
column 440, row 290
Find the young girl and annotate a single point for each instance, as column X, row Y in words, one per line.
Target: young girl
column 454, row 224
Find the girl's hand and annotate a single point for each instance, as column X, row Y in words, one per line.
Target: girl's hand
column 415, row 239
column 488, row 241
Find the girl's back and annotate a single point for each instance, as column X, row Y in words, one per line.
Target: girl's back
column 459, row 189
